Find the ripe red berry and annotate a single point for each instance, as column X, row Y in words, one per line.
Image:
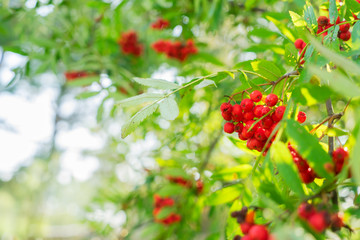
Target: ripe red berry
column 305, row 211
column 226, row 107
column 247, row 104
column 249, row 124
column 229, row 127
column 227, row 116
column 336, row 222
column 239, row 127
column 245, row 227
column 318, row 222
column 246, row 237
column 251, row 143
column 345, row 36
column 260, row 134
column 256, row 96
column 323, row 21
column 258, row 111
column 340, row 154
column 249, row 116
column 301, row 117
column 279, row 112
column 246, row 134
column 307, row 177
column 267, row 122
column 258, row 232
column 344, row 27
column 271, row 100
column 299, row 43
column 237, row 115
column 265, row 110
column 241, row 136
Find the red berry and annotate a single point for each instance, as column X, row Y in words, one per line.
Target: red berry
column 226, row 107
column 237, row 115
column 345, row 36
column 249, row 116
column 260, row 134
column 318, row 222
column 337, row 20
column 245, row 227
column 258, row 111
column 246, row 134
column 241, row 136
column 247, row 104
column 323, row 21
column 265, row 110
column 307, row 177
column 279, row 112
column 299, row 43
column 271, row 100
column 256, row 96
column 239, row 127
column 251, row 143
column 267, row 122
column 336, row 222
column 301, row 117
column 229, row 127
column 227, row 116
column 344, row 27
column 258, row 232
column 246, row 237
column 305, row 211
column 339, row 154
column 249, row 125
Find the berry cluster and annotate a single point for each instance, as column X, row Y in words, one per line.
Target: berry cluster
column 248, row 227
column 241, row 118
column 159, row 203
column 307, row 174
column 70, row 76
column 324, row 23
column 187, row 183
column 129, row 43
column 176, row 50
column 160, row 24
column 319, row 220
column 340, row 157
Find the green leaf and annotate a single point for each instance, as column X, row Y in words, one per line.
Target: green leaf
column 267, row 69
column 297, row 19
column 238, row 172
column 340, row 61
column 232, row 227
column 310, row 17
column 225, row 195
column 287, row 170
column 85, row 95
column 333, row 12
column 242, row 145
column 353, row 5
column 164, row 212
column 290, row 54
column 355, row 159
column 170, row 190
column 84, row 81
column 282, row 27
column 175, row 172
column 338, row 82
column 308, row 147
column 355, row 34
column 169, row 109
column 309, row 94
column 156, row 83
column 139, row 99
column 130, row 125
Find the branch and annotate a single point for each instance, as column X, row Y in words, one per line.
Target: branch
column 210, row 151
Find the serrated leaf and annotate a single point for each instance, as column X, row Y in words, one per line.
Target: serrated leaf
column 130, row 125
column 156, row 83
column 308, row 147
column 283, row 28
column 353, row 5
column 281, row 155
column 337, row 81
column 297, row 19
column 333, row 12
column 309, row 16
column 341, row 61
column 224, row 195
column 267, row 69
column 139, row 99
column 169, row 109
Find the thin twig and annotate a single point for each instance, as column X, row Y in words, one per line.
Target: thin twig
column 210, row 151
